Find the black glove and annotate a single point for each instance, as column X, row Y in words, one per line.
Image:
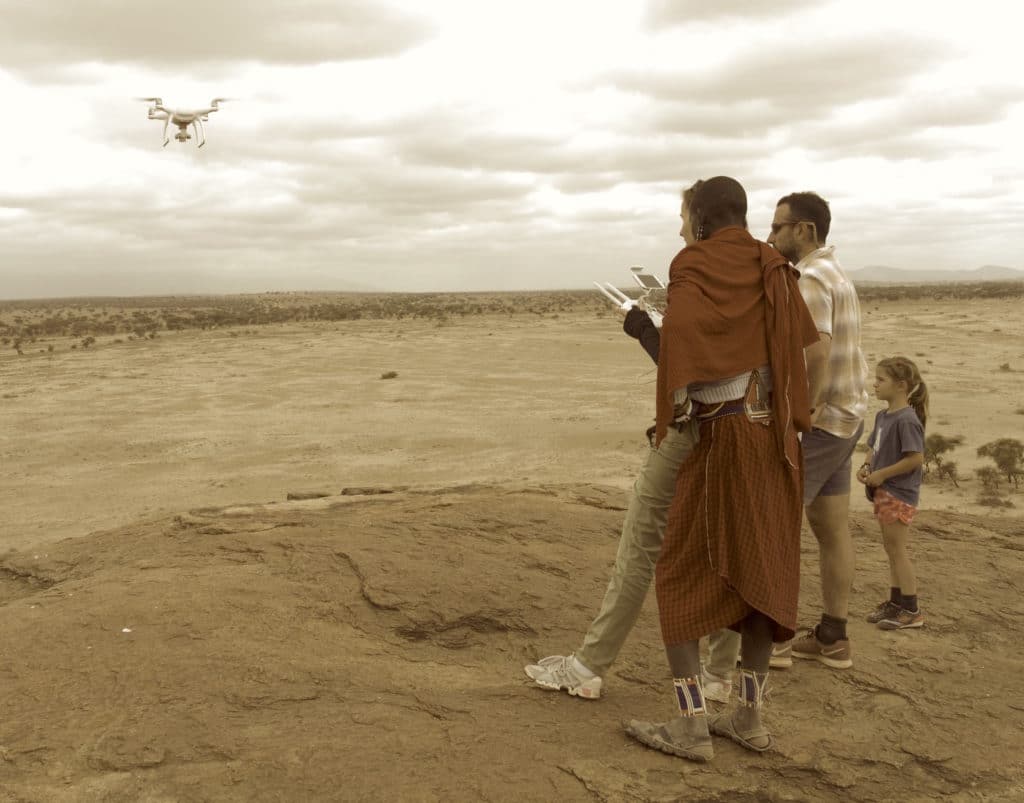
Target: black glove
column 636, row 321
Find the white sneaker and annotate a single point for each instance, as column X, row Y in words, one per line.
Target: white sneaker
column 557, row 672
column 782, row 655
column 716, row 688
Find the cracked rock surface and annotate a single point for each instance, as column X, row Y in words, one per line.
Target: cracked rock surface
column 370, row 647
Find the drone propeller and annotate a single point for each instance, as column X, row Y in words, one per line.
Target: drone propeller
column 157, row 101
column 213, row 107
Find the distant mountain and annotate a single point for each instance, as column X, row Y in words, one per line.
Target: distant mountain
column 882, row 274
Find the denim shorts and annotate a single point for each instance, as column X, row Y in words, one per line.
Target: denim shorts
column 828, row 461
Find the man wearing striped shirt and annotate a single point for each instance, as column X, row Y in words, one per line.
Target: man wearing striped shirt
column 837, row 373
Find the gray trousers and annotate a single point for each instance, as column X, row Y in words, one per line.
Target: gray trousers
column 639, row 548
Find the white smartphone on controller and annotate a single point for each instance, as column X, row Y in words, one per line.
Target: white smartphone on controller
column 648, row 281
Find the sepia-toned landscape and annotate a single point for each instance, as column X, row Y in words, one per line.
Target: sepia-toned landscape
column 293, row 547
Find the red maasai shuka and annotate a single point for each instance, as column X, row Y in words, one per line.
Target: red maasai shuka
column 732, row 543
column 734, row 305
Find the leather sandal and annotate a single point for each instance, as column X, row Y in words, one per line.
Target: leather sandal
column 657, row 736
column 753, row 690
column 722, row 725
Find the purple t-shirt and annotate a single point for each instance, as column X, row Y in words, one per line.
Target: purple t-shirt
column 894, row 436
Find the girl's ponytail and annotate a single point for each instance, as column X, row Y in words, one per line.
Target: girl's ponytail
column 918, row 398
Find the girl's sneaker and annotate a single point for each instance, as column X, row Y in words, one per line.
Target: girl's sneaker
column 885, row 610
column 903, row 620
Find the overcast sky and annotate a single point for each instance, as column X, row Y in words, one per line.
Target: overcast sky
column 467, row 144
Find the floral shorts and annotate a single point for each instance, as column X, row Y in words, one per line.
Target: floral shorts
column 889, row 509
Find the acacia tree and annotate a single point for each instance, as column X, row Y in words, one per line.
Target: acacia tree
column 1008, row 455
column 937, row 445
column 989, row 478
column 948, row 471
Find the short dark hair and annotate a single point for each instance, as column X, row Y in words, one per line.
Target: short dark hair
column 810, row 206
column 719, row 202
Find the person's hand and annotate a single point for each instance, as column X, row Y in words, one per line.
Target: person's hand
column 862, row 474
column 874, row 479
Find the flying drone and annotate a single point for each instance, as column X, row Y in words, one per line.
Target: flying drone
column 183, row 118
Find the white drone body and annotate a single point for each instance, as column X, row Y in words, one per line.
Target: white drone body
column 183, row 118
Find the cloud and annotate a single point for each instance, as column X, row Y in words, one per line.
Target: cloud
column 925, row 126
column 186, row 33
column 834, row 98
column 195, row 205
column 795, row 83
column 955, row 109
column 722, row 121
column 667, row 13
column 415, row 198
column 578, row 163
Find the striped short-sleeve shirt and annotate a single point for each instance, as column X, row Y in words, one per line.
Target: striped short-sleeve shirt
column 832, row 300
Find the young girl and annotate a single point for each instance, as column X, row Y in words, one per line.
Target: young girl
column 892, row 476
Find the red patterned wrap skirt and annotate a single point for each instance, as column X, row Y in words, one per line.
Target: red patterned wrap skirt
column 732, row 542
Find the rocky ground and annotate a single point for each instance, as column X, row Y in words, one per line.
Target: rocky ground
column 370, row 647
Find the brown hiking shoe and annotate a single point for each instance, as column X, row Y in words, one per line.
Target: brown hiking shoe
column 836, row 656
column 902, row 620
column 884, row 610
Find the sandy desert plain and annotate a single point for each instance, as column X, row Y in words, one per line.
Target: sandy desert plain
column 237, row 564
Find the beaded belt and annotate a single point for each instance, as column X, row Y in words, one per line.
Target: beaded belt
column 709, row 412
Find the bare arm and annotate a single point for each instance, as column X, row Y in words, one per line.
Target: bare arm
column 910, row 461
column 865, row 469
column 816, row 357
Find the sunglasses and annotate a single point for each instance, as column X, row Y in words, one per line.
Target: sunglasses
column 777, row 227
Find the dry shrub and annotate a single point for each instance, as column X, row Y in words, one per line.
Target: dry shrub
column 994, row 501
